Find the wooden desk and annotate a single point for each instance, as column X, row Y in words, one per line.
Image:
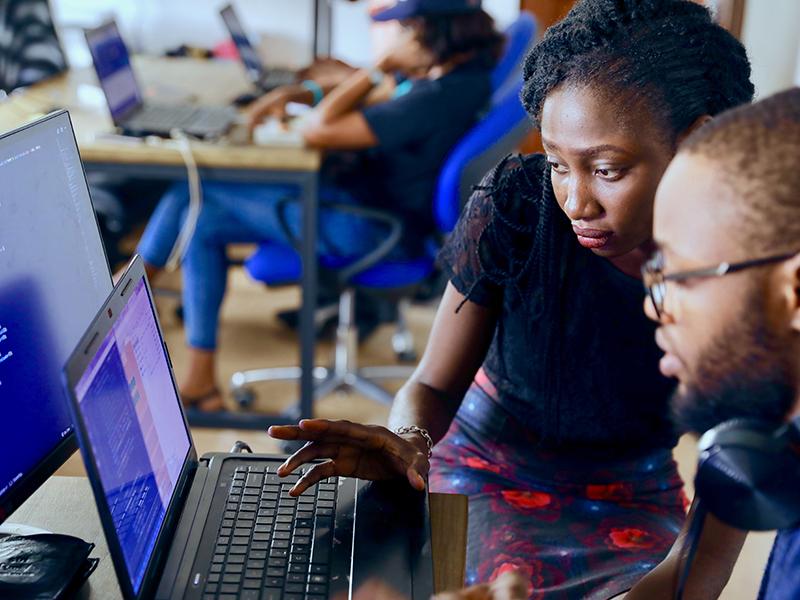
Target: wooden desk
column 66, row 505
column 205, row 82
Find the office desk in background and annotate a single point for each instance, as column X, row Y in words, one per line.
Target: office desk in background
column 66, row 505
column 180, row 80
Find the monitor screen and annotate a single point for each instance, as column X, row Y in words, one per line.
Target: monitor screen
column 54, row 277
column 114, row 70
column 247, row 53
column 134, row 427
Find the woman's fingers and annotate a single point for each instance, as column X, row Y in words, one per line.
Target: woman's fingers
column 315, row 474
column 311, row 451
column 366, row 436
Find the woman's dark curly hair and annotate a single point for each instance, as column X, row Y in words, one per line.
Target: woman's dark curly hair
column 666, row 55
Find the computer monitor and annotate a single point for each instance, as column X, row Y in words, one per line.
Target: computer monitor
column 114, row 70
column 54, row 276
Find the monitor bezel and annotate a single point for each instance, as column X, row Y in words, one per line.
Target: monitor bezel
column 73, row 370
column 64, row 449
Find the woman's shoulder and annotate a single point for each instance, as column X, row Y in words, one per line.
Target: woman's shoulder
column 512, row 193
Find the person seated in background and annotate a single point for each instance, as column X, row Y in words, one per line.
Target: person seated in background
column 725, row 290
column 401, row 141
column 540, row 385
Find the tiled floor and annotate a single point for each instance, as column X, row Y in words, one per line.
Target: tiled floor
column 252, row 337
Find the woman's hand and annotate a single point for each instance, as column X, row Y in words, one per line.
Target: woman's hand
column 509, row 586
column 363, row 451
column 408, row 56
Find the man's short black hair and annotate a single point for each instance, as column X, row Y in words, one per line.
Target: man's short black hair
column 667, row 56
column 757, row 148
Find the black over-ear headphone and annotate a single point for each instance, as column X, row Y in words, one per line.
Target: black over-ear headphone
column 748, row 474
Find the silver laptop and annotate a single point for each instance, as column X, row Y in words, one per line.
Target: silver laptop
column 223, row 526
column 264, row 78
column 129, row 111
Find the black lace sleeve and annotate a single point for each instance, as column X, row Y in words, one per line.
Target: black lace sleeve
column 492, row 243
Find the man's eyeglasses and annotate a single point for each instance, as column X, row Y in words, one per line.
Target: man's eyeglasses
column 655, row 280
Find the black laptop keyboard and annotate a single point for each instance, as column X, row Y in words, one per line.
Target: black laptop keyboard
column 270, row 545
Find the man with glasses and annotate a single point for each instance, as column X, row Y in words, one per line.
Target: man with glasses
column 725, row 287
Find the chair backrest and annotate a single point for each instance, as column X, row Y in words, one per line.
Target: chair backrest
column 495, row 135
column 519, row 37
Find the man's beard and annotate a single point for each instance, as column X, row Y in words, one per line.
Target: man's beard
column 743, row 374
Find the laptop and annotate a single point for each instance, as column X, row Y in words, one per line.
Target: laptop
column 222, row 526
column 129, row 111
column 265, row 79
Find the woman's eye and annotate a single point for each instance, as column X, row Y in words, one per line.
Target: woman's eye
column 557, row 167
column 608, row 173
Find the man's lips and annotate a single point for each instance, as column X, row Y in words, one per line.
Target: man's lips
column 670, row 365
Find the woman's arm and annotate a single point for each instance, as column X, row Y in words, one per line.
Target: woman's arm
column 456, row 349
column 713, row 563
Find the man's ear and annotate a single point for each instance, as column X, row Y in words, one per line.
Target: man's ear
column 698, row 123
column 791, row 290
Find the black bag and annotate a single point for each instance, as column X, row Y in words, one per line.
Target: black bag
column 45, row 566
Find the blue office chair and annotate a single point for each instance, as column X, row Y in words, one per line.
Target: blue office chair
column 519, row 38
column 495, row 135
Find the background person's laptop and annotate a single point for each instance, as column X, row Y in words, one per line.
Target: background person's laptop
column 223, row 526
column 129, row 111
column 264, row 78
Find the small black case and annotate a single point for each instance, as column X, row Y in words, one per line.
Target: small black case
column 44, row 566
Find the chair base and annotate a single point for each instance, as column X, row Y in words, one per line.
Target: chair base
column 345, row 374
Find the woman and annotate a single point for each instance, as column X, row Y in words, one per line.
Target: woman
column 540, row 382
column 401, row 135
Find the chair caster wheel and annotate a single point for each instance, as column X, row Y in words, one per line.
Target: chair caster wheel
column 407, row 356
column 244, row 397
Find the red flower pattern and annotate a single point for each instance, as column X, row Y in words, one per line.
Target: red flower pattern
column 631, row 538
column 526, row 499
column 473, row 462
column 619, row 492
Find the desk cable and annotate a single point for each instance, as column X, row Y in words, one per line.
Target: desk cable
column 178, row 252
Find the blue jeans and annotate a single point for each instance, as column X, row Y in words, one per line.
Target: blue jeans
column 240, row 213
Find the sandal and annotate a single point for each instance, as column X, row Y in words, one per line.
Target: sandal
column 194, row 403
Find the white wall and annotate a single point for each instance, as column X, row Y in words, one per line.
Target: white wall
column 286, row 25
column 771, row 34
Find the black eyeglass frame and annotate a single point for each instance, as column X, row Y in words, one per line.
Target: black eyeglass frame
column 654, row 277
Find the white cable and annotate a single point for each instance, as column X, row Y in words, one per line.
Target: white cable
column 178, row 252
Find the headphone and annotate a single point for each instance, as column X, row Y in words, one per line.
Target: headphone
column 748, row 474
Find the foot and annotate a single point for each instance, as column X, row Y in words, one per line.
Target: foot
column 210, row 401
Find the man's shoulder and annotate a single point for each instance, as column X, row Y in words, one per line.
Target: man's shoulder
column 782, row 578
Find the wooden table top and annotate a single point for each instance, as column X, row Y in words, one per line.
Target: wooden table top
column 169, row 80
column 66, row 505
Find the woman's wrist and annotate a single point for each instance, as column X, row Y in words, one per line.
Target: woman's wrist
column 417, row 436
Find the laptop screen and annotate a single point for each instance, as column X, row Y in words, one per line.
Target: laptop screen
column 135, row 428
column 113, row 66
column 247, row 53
